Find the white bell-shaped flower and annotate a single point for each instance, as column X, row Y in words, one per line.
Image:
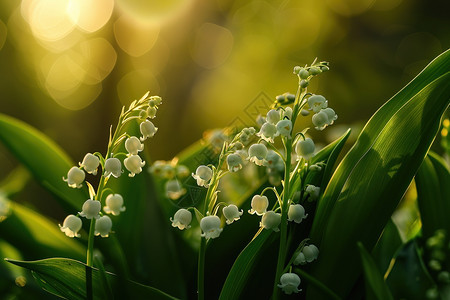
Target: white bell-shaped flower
column 155, row 101
column 174, row 189
column 320, row 120
column 148, row 129
column 75, row 177
column 268, row 132
column 300, row 259
column 103, row 226
column 296, row 213
column 305, row 148
column 288, row 112
column 182, row 219
column 210, row 226
column 203, row 175
column 90, row 163
column 271, row 220
column 90, row 209
column 114, row 204
column 273, row 116
column 259, row 205
column 232, row 213
column 311, row 252
column 113, row 167
column 134, row 164
column 284, row 127
column 133, row 145
column 331, row 114
column 182, row 171
column 317, row 102
column 234, row 162
column 289, row 283
column 257, row 153
column 71, row 225
column 312, row 191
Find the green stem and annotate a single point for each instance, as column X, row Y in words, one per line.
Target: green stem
column 90, row 249
column 201, row 270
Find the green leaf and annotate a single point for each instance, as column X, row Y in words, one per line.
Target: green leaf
column 243, row 266
column 370, row 181
column 433, row 195
column 376, row 287
column 36, row 236
column 67, row 278
column 409, row 278
column 46, row 160
column 386, row 247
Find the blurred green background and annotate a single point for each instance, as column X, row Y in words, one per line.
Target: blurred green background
column 67, row 66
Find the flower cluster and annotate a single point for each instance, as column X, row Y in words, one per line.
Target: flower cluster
column 233, row 153
column 110, row 165
column 171, row 172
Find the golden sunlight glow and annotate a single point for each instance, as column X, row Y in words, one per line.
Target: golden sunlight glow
column 134, row 84
column 350, row 7
column 152, row 11
column 90, row 15
column 133, row 38
column 212, row 46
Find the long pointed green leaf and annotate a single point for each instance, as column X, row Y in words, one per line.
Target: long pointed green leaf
column 43, row 157
column 36, row 236
column 371, row 179
column 67, row 278
column 376, row 288
column 433, row 191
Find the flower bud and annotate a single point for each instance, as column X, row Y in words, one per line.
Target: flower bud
column 314, row 71
column 75, row 177
column 303, row 74
column 312, row 191
column 296, row 213
column 257, row 153
column 234, row 162
column 148, row 129
column 288, row 112
column 90, row 163
column 232, row 213
column 305, row 148
column 155, row 101
column 182, row 219
column 320, row 120
column 103, row 226
column 90, row 209
column 182, row 171
column 289, row 283
column 304, row 83
column 134, row 164
column 114, row 204
column 151, row 112
column 271, row 220
column 133, row 145
column 300, row 259
column 203, row 175
column 113, row 167
column 71, row 225
column 210, row 226
column 304, row 112
column 259, row 205
column 297, row 69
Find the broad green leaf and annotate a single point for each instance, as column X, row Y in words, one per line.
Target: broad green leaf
column 433, row 191
column 36, row 236
column 386, row 247
column 67, row 278
column 243, row 266
column 376, row 288
column 409, row 278
column 370, row 181
column 240, row 273
column 46, row 160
